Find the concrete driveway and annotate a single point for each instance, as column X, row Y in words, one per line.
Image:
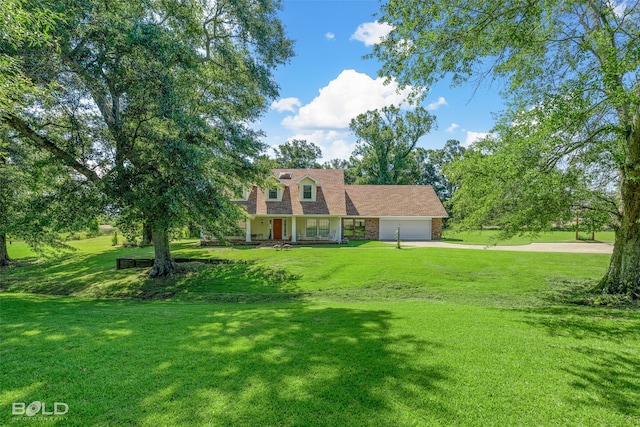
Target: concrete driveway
column 578, row 247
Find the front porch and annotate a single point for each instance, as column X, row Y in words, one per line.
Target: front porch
column 293, row 229
column 266, row 243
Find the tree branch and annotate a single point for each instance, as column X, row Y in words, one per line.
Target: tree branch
column 46, row 144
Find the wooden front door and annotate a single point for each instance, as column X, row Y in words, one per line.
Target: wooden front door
column 277, row 229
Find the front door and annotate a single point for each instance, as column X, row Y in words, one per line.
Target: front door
column 277, row 229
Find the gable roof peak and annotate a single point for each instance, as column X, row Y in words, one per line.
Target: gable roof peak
column 315, row 181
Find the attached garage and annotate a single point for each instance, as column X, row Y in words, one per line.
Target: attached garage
column 410, row 229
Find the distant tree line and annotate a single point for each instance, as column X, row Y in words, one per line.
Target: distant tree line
column 386, row 152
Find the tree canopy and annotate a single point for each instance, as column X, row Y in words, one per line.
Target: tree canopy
column 150, row 102
column 571, row 80
column 39, row 199
column 433, row 162
column 386, row 141
column 298, row 154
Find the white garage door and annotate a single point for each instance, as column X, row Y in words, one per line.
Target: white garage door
column 409, row 229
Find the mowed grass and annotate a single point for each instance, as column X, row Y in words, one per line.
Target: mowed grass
column 359, row 335
column 491, row 237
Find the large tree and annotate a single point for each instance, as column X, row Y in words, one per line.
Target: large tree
column 150, row 102
column 298, row 154
column 386, row 141
column 571, row 76
column 433, row 162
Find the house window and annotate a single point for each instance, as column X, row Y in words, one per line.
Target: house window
column 347, row 227
column 317, row 227
column 273, row 194
column 353, row 228
column 306, row 192
column 312, row 225
column 323, row 227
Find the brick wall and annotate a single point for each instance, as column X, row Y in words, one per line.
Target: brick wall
column 372, row 229
column 436, row 228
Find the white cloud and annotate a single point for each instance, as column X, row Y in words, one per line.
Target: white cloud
column 286, row 104
column 474, row 136
column 371, row 33
column 329, row 36
column 349, row 94
column 435, row 105
column 453, row 127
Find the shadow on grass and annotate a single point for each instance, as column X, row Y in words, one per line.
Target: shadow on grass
column 95, row 276
column 608, row 379
column 63, row 275
column 565, row 291
column 198, row 364
column 243, row 282
column 71, row 272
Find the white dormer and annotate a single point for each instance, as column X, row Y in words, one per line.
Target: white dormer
column 273, row 192
column 308, row 188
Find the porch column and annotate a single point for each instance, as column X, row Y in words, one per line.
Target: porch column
column 247, row 230
column 293, row 229
column 339, row 236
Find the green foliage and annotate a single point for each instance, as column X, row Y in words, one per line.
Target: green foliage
column 114, row 238
column 41, row 201
column 509, row 186
column 298, row 154
column 434, row 163
column 386, row 142
column 265, row 163
column 153, row 101
column 21, row 26
column 350, row 168
column 570, row 73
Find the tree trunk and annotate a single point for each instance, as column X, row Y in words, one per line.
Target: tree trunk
column 163, row 265
column 4, row 255
column 623, row 275
column 147, row 235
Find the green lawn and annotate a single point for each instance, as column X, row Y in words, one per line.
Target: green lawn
column 358, row 335
column 490, row 237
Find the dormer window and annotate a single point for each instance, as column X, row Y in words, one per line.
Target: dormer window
column 307, row 192
column 308, row 188
column 274, row 190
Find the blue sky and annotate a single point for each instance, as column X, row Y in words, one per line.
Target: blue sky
column 328, row 82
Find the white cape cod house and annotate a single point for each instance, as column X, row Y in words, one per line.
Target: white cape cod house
column 316, row 205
